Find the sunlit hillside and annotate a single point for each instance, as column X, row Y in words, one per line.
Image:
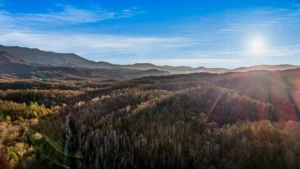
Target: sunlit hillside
column 231, row 120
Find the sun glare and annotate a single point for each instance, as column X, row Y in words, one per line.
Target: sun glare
column 257, row 45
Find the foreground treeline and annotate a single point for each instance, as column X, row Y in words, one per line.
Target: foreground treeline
column 197, row 121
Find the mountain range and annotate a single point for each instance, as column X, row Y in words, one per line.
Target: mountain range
column 15, row 67
column 31, row 62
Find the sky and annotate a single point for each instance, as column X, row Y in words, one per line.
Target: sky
column 211, row 33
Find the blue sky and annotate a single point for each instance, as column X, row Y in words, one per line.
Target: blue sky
column 189, row 33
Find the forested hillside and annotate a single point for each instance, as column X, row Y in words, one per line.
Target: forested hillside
column 195, row 121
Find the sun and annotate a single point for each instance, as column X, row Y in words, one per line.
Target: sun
column 257, row 45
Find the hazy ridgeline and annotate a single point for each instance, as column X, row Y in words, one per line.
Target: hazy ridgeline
column 230, row 121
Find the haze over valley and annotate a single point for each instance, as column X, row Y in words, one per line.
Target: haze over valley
column 34, row 63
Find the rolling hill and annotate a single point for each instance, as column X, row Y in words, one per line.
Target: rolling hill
column 196, row 121
column 179, row 117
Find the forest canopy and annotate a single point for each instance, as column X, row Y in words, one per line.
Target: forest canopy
column 190, row 121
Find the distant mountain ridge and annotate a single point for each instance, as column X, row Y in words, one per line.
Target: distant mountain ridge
column 52, row 58
column 14, row 66
column 72, row 60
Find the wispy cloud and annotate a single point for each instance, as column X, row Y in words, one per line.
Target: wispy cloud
column 70, row 14
column 267, row 11
column 129, row 49
column 261, row 19
column 96, row 45
column 194, row 46
column 120, row 49
column 230, row 30
column 282, row 15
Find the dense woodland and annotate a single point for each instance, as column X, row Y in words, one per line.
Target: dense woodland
column 195, row 121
